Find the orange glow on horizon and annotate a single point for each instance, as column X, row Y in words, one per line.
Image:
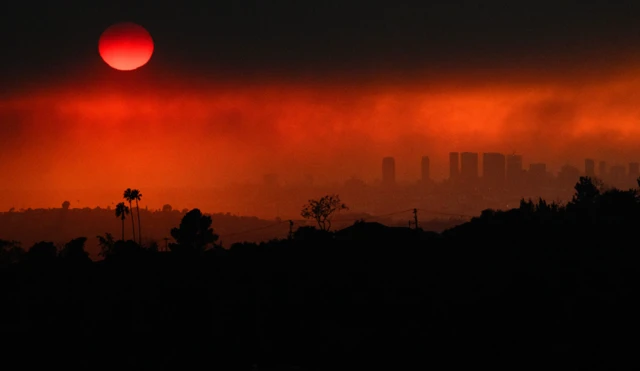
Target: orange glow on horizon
column 185, row 138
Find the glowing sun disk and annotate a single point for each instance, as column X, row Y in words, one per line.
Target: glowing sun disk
column 125, row 46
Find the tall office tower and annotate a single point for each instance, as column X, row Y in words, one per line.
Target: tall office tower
column 493, row 169
column 469, row 167
column 515, row 171
column 634, row 170
column 590, row 167
column 602, row 170
column 454, row 166
column 388, row 171
column 425, row 169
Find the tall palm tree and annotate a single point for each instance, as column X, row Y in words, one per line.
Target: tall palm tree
column 128, row 195
column 121, row 212
column 137, row 196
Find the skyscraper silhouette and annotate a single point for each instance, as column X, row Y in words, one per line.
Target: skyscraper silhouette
column 589, row 167
column 454, row 166
column 602, row 169
column 425, row 169
column 388, row 171
column 514, row 171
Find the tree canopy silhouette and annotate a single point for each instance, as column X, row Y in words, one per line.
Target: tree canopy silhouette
column 74, row 251
column 194, row 233
column 42, row 252
column 587, row 190
column 106, row 243
column 10, row 252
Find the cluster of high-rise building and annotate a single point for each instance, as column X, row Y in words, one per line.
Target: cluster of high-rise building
column 616, row 174
column 497, row 169
column 475, row 182
column 464, row 168
column 500, row 171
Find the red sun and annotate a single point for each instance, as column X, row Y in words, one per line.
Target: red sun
column 125, row 46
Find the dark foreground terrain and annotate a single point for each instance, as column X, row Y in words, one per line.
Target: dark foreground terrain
column 538, row 286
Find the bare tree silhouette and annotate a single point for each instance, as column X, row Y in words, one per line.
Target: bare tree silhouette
column 322, row 210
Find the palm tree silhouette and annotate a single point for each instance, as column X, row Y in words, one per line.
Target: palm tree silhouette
column 128, row 195
column 121, row 212
column 137, row 196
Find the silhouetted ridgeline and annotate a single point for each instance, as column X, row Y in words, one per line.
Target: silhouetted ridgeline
column 61, row 225
column 542, row 285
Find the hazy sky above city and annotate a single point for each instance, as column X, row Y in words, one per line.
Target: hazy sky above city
column 236, row 90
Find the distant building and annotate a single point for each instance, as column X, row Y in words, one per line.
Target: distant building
column 388, row 171
column 469, row 167
column 537, row 175
column 590, row 167
column 493, row 169
column 454, row 166
column 425, row 169
column 514, row 172
column 602, row 169
column 569, row 175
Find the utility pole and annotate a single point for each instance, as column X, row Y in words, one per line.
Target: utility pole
column 290, row 229
column 415, row 217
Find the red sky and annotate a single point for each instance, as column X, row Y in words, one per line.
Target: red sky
column 143, row 133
